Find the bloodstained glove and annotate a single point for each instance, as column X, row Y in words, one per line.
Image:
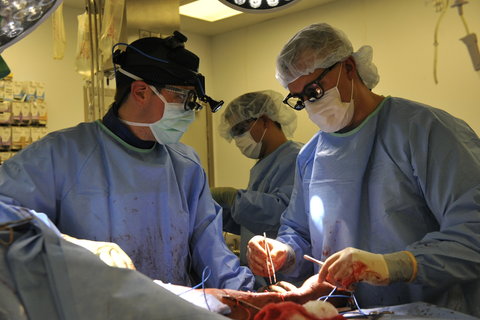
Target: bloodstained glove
column 351, row 265
column 281, row 255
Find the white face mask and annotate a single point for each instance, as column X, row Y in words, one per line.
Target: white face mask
column 329, row 113
column 175, row 121
column 247, row 145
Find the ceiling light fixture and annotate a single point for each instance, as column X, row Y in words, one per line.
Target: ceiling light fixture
column 256, row 6
column 208, row 10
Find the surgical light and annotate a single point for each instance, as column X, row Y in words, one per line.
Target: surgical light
column 208, row 10
column 254, row 6
column 20, row 17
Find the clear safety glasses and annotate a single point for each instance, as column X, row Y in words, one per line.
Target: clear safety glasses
column 184, row 96
column 311, row 92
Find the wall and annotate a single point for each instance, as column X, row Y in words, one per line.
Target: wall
column 401, row 33
column 31, row 59
column 196, row 136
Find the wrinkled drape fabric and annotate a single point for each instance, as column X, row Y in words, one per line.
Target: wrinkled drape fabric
column 45, row 277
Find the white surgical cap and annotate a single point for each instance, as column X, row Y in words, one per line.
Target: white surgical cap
column 320, row 46
column 254, row 105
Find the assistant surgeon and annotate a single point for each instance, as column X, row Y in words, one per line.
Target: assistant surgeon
column 387, row 193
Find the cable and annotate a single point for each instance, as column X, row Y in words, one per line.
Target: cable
column 459, row 4
column 201, row 284
column 135, row 49
column 352, row 296
column 358, row 307
column 435, row 42
column 139, row 51
column 329, row 295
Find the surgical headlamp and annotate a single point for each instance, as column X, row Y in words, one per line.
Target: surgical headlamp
column 187, row 97
column 171, row 65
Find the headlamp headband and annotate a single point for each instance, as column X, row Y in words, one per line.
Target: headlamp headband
column 190, row 77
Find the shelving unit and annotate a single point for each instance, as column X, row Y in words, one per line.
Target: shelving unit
column 23, row 115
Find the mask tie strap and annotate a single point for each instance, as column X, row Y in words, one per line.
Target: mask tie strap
column 351, row 96
column 338, row 79
column 264, row 131
column 135, row 124
column 128, row 74
column 158, row 94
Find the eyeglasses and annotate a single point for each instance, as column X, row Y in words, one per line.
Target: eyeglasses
column 241, row 128
column 311, row 92
column 184, row 96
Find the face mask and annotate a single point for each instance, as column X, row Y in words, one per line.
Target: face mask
column 247, row 145
column 175, row 121
column 329, row 112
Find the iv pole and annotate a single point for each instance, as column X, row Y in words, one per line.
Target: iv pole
column 95, row 89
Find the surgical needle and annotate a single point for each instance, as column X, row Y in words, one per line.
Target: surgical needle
column 307, row 257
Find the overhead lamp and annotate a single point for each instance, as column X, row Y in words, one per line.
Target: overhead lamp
column 208, row 10
column 20, row 17
column 256, row 6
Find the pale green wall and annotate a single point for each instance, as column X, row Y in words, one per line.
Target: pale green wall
column 401, row 33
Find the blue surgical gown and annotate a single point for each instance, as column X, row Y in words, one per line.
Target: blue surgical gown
column 154, row 203
column 258, row 208
column 408, row 178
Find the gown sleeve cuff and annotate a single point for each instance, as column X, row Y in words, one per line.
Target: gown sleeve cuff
column 402, row 266
column 414, row 265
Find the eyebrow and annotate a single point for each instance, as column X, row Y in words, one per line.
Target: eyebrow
column 321, row 75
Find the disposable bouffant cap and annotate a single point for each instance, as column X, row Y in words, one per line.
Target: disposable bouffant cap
column 253, row 105
column 320, row 46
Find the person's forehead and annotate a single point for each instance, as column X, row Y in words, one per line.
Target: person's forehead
column 298, row 84
column 235, row 123
column 182, row 87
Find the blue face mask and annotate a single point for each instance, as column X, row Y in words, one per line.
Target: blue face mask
column 175, row 121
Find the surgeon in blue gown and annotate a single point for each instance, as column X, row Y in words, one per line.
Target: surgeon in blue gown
column 127, row 180
column 260, row 125
column 387, row 193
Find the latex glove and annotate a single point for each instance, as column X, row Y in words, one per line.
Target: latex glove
column 282, row 256
column 108, row 252
column 351, row 265
column 225, row 196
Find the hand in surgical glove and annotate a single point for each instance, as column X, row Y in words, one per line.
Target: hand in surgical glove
column 282, row 255
column 351, row 265
column 108, row 252
column 225, row 196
